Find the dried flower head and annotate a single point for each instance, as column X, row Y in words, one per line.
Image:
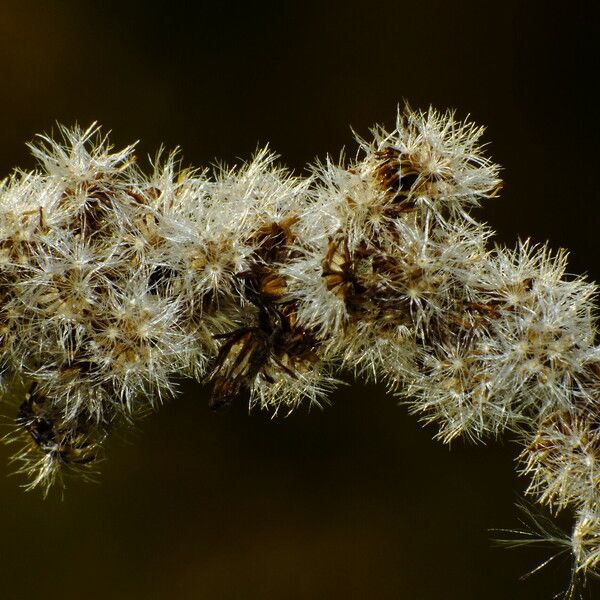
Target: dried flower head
column 115, row 283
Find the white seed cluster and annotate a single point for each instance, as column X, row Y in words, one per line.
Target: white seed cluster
column 115, row 283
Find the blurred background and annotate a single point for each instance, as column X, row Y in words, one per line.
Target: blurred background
column 355, row 501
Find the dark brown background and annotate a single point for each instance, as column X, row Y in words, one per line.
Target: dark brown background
column 355, row 501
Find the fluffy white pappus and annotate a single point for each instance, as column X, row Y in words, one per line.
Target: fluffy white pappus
column 544, row 323
column 585, row 540
column 50, row 469
column 318, row 308
column 376, row 354
column 512, row 271
column 81, row 157
column 221, row 235
column 423, row 268
column 563, row 461
column 138, row 343
column 461, row 387
column 254, row 194
column 28, row 214
column 282, row 391
column 345, row 200
column 434, row 157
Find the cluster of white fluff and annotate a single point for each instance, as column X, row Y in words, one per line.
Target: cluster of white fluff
column 114, row 284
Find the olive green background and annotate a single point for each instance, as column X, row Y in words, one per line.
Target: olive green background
column 355, row 501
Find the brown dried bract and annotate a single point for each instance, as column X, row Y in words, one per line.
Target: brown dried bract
column 337, row 268
column 396, row 174
column 50, row 434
